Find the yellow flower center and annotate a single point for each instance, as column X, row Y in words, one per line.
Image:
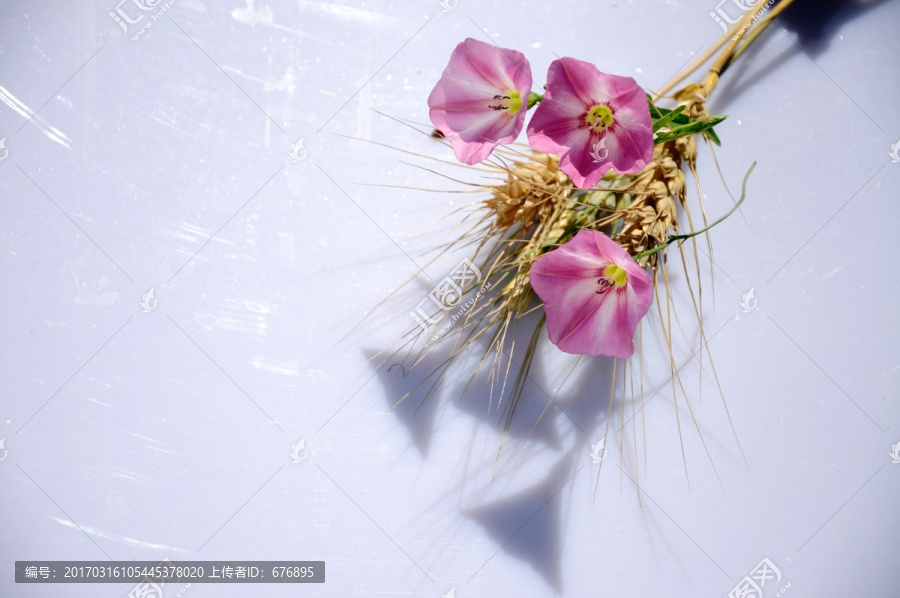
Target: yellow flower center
column 511, row 100
column 599, row 117
column 613, row 277
column 616, row 275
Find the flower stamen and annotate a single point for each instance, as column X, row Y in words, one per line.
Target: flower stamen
column 613, row 277
column 599, row 117
column 512, row 101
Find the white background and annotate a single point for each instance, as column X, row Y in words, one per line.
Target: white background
column 163, row 163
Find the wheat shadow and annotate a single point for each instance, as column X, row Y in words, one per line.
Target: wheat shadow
column 414, row 395
column 815, row 23
column 484, row 403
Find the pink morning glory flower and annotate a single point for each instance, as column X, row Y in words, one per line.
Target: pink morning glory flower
column 594, row 295
column 481, row 99
column 593, row 122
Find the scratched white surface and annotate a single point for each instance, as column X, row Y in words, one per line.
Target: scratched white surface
column 163, row 162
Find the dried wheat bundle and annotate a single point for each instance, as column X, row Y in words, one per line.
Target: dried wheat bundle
column 577, row 224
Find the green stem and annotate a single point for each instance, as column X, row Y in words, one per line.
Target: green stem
column 534, row 98
column 674, row 238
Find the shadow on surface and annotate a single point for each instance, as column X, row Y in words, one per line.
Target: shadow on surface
column 814, row 22
column 527, row 524
column 417, row 411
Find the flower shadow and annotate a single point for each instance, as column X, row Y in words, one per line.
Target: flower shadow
column 406, row 394
column 547, row 439
column 413, row 396
column 527, row 524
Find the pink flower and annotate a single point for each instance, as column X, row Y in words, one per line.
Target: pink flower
column 481, row 99
column 593, row 121
column 594, row 295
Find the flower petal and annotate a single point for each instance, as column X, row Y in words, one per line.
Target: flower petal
column 460, row 104
column 579, row 319
column 559, row 125
column 632, row 135
column 581, row 166
column 599, row 330
column 580, row 79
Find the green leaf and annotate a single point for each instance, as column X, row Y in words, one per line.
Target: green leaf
column 692, row 128
column 664, row 121
column 711, row 135
column 681, row 124
column 681, row 119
